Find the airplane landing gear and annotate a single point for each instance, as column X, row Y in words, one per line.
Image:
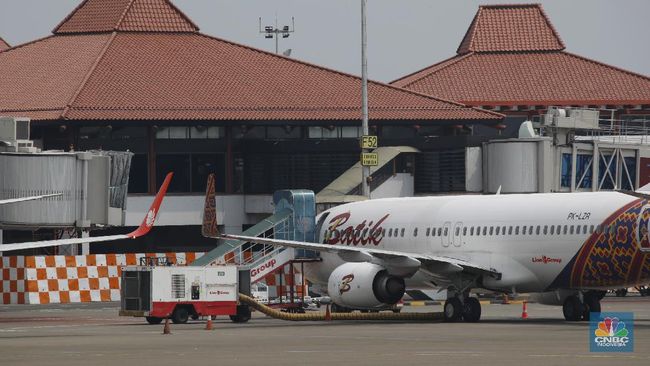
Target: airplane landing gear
column 578, row 308
column 472, row 310
column 453, row 310
column 468, row 310
column 573, row 308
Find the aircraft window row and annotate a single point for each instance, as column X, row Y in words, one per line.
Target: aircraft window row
column 395, row 232
column 519, row 230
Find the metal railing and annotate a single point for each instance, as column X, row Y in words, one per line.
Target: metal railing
column 247, row 254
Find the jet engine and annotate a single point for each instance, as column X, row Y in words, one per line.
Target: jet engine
column 364, row 286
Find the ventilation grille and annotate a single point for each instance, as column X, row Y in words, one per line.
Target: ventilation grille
column 178, row 286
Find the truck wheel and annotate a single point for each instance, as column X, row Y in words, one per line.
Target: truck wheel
column 243, row 314
column 154, row 320
column 180, row 315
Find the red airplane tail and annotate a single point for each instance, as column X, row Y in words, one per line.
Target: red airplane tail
column 150, row 218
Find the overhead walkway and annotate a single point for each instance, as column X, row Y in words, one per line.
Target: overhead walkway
column 347, row 187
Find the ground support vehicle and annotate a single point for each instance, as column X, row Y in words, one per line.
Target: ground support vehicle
column 180, row 292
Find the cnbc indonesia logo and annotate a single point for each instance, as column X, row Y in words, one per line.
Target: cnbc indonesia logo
column 609, row 333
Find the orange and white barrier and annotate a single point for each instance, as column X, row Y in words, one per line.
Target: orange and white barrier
column 65, row 279
column 281, row 282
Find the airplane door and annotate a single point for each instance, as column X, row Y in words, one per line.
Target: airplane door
column 457, row 233
column 446, row 234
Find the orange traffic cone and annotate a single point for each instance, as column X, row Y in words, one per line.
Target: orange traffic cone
column 167, row 328
column 208, row 325
column 524, row 312
column 328, row 315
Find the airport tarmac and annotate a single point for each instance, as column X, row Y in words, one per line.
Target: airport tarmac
column 83, row 334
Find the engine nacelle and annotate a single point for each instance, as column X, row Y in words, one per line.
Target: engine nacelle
column 364, row 286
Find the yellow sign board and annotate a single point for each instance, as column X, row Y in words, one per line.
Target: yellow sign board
column 368, row 142
column 369, row 159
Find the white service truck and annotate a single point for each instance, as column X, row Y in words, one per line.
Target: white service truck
column 180, row 292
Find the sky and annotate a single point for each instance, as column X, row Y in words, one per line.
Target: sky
column 403, row 35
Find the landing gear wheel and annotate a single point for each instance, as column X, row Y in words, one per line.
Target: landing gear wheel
column 243, row 314
column 472, row 310
column 180, row 315
column 573, row 309
column 453, row 310
column 591, row 305
column 154, row 320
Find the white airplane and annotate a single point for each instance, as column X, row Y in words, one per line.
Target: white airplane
column 568, row 248
column 142, row 230
column 30, row 198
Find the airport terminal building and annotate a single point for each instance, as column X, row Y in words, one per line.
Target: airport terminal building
column 138, row 76
column 128, row 75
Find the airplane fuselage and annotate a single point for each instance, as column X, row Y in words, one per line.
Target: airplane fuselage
column 537, row 242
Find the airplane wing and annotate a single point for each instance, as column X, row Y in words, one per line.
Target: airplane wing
column 30, row 198
column 437, row 265
column 142, row 230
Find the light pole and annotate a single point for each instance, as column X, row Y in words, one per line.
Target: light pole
column 365, row 169
column 274, row 32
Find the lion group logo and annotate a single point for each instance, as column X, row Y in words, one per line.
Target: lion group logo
column 611, row 332
column 151, row 217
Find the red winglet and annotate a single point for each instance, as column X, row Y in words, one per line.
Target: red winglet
column 150, row 218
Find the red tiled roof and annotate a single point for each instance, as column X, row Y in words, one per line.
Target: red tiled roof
column 498, row 28
column 190, row 76
column 126, row 15
column 531, row 77
column 3, row 45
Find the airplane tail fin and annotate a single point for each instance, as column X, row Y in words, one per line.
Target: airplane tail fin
column 209, row 228
column 150, row 218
